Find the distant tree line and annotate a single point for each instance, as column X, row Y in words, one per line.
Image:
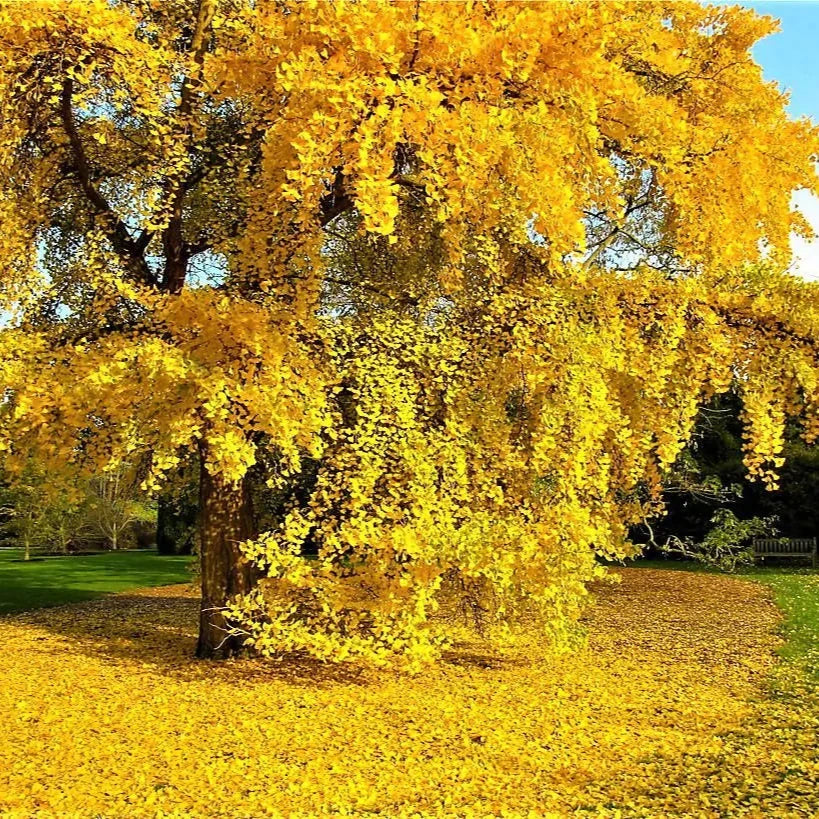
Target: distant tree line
column 46, row 512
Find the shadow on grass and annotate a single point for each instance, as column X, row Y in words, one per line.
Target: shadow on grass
column 40, row 596
column 56, row 580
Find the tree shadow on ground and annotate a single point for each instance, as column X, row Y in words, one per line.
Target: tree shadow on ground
column 156, row 630
column 466, row 656
column 39, row 596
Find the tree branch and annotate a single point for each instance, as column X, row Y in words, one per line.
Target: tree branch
column 130, row 251
column 335, row 202
column 176, row 250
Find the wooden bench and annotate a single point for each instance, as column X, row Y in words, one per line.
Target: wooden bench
column 787, row 547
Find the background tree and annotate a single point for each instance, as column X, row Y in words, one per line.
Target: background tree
column 24, row 512
column 116, row 504
column 710, row 478
column 68, row 511
column 169, row 173
column 41, row 510
column 177, row 511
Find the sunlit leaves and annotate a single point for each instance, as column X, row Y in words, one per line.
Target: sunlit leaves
column 481, row 280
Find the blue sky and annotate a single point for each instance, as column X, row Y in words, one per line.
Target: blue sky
column 791, row 57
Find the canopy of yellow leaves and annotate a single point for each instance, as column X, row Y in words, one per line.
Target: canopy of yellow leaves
column 495, row 412
column 663, row 714
column 535, row 111
column 517, row 449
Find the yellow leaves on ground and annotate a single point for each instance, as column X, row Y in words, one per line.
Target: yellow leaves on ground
column 663, row 714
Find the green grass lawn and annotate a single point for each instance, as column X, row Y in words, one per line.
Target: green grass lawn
column 52, row 581
column 797, row 594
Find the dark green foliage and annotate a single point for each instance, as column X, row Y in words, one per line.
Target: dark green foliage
column 176, row 520
column 177, row 511
column 709, row 476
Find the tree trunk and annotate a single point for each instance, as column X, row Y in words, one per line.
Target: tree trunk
column 27, row 549
column 165, row 541
column 226, row 520
column 64, row 538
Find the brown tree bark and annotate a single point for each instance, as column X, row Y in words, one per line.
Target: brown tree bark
column 226, row 520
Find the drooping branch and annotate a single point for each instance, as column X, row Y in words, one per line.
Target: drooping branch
column 130, row 250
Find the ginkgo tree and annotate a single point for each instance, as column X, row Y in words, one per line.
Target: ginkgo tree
column 453, row 276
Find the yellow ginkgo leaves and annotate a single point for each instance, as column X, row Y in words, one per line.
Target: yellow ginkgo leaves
column 651, row 719
column 449, row 280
